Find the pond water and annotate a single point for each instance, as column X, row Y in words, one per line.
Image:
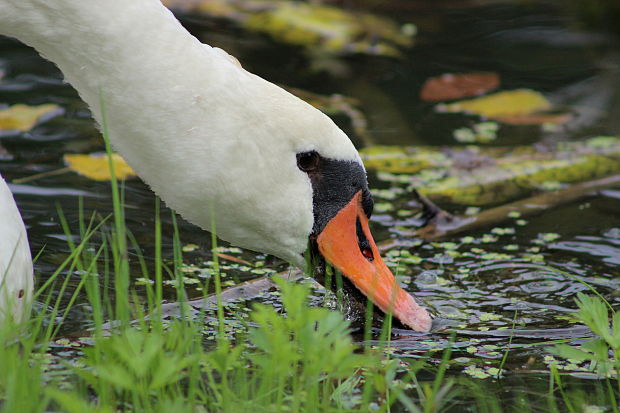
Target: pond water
column 516, row 283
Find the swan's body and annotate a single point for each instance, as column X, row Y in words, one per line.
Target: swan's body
column 15, row 262
column 206, row 135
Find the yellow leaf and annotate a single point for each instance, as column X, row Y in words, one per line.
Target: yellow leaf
column 95, row 166
column 330, row 29
column 509, row 103
column 23, row 118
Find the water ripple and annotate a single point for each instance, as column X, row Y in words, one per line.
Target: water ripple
column 609, row 253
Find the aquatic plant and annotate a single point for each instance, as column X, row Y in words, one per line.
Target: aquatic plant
column 603, row 352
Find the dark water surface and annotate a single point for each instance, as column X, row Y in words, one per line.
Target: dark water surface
column 515, row 283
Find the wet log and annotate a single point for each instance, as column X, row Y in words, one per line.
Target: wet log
column 443, row 225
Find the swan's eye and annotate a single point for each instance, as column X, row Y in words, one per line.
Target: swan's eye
column 308, row 161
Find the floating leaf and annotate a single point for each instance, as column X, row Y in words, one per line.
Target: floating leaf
column 518, row 102
column 403, row 159
column 481, row 132
column 189, row 247
column 456, row 86
column 95, row 166
column 23, row 118
column 235, row 259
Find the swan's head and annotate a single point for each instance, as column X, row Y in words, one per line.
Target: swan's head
column 302, row 182
column 341, row 207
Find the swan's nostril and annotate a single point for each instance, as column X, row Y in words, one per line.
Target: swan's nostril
column 363, row 243
column 367, row 252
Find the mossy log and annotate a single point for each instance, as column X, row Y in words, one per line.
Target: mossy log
column 473, row 175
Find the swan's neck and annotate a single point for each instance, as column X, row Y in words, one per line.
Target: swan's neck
column 132, row 55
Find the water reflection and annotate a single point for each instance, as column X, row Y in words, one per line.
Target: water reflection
column 606, row 248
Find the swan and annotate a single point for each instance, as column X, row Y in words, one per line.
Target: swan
column 214, row 140
column 16, row 279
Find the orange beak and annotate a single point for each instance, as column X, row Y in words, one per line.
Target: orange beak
column 360, row 262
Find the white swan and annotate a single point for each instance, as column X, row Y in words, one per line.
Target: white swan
column 210, row 137
column 16, row 279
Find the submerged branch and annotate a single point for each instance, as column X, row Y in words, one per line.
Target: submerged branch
column 241, row 292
